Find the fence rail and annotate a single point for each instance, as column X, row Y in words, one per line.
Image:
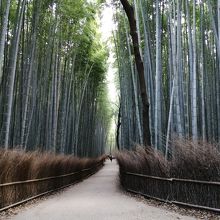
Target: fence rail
column 192, row 193
column 16, row 193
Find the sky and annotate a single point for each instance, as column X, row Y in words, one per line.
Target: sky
column 107, row 26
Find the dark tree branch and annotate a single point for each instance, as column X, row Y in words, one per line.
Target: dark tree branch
column 118, row 128
column 129, row 10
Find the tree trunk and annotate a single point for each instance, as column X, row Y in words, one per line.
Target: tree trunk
column 158, row 86
column 129, row 10
column 12, row 70
column 194, row 83
column 29, row 72
column 137, row 110
column 118, row 128
column 3, row 37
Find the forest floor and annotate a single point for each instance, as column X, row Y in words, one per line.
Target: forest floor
column 97, row 198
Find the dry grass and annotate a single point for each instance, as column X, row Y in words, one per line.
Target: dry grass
column 190, row 160
column 20, row 166
column 145, row 161
column 199, row 161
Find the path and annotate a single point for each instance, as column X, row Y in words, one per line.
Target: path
column 97, row 198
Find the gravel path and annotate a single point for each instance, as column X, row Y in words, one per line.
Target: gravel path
column 97, row 198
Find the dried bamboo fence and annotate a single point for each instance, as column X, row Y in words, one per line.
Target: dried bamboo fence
column 16, row 193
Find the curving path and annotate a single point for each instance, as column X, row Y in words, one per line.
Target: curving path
column 97, row 198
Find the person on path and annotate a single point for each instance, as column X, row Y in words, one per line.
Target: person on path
column 110, row 157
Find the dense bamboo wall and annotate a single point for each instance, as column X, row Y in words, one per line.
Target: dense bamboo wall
column 179, row 43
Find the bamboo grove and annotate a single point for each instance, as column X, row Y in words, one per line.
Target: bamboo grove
column 53, row 94
column 180, row 46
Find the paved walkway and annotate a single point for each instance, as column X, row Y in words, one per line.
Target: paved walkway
column 97, row 198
